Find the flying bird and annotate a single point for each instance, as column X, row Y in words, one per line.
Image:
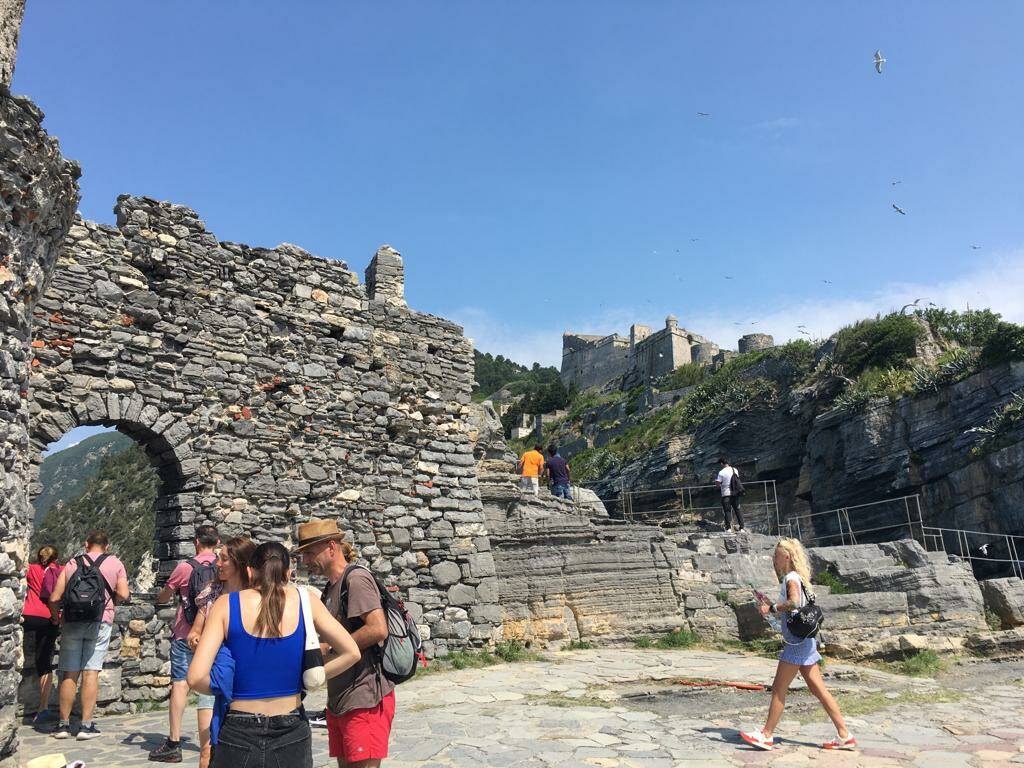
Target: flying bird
column 728, row 277
column 801, row 326
column 894, row 183
column 984, row 549
column 879, row 61
column 914, row 303
column 694, row 239
column 805, row 333
column 898, row 209
column 975, row 247
column 827, row 281
column 703, row 114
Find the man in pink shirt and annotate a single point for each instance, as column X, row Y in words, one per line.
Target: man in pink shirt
column 200, row 573
column 84, row 642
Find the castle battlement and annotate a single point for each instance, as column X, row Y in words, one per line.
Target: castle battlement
column 647, row 354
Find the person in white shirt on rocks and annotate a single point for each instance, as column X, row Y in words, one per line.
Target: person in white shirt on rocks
column 728, row 482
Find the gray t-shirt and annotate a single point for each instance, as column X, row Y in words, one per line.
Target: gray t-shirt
column 363, row 685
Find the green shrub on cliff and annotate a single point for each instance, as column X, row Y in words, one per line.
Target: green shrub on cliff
column 972, row 328
column 884, row 342
column 1004, row 344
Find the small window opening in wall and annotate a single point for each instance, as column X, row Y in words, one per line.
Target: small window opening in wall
column 347, row 360
column 336, row 333
column 227, row 271
column 432, row 349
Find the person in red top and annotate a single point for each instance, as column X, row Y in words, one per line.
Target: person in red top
column 39, row 625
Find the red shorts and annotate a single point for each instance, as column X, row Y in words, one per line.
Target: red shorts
column 361, row 734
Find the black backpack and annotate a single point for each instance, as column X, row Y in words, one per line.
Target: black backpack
column 201, row 589
column 402, row 648
column 85, row 595
column 806, row 621
column 735, row 484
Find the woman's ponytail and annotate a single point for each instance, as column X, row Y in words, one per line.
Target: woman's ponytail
column 270, row 564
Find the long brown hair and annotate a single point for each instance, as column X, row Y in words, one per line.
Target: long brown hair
column 239, row 551
column 47, row 554
column 269, row 566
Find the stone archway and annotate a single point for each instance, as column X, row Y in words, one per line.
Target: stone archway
column 168, row 451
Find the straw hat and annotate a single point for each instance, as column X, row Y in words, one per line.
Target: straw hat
column 316, row 531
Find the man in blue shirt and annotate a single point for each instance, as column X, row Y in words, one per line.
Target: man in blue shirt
column 557, row 471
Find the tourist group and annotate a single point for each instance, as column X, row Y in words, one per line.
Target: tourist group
column 246, row 639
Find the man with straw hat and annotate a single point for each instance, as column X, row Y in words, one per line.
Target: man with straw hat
column 361, row 700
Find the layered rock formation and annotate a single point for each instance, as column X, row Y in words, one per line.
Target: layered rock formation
column 824, row 458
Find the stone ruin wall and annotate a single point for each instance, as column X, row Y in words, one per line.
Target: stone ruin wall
column 268, row 388
column 38, row 197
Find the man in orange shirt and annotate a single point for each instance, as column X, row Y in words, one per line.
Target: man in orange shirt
column 530, row 466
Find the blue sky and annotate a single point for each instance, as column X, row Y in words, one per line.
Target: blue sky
column 541, row 166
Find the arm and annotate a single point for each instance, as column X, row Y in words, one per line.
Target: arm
column 346, row 652
column 121, row 593
column 209, row 644
column 56, row 596
column 197, row 630
column 793, row 595
column 374, row 629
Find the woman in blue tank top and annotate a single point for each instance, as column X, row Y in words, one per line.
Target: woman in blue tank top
column 262, row 627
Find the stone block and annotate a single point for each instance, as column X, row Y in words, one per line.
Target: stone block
column 1005, row 598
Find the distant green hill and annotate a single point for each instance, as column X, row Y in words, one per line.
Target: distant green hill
column 119, row 498
column 64, row 474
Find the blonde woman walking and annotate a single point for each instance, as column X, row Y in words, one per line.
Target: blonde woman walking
column 798, row 654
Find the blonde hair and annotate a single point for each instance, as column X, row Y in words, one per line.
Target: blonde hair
column 797, row 560
column 348, row 551
column 47, row 554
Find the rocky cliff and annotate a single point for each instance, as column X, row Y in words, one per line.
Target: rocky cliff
column 823, row 456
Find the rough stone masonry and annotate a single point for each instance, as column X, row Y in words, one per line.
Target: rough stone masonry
column 268, row 386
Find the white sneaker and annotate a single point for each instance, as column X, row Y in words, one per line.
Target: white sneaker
column 758, row 740
column 840, row 743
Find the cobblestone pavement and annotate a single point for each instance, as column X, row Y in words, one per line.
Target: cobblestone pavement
column 621, row 708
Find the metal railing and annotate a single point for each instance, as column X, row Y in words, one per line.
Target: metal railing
column 996, row 552
column 836, row 527
column 675, row 505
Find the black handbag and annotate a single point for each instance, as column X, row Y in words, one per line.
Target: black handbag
column 806, row 621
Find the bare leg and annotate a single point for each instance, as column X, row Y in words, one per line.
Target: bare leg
column 816, row 685
column 784, row 675
column 176, row 708
column 45, row 684
column 90, row 689
column 203, row 719
column 68, row 690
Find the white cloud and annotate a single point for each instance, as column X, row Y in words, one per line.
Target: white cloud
column 997, row 283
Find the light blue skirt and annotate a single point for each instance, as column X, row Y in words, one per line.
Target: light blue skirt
column 802, row 652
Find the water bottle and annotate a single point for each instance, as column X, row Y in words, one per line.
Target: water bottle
column 772, row 618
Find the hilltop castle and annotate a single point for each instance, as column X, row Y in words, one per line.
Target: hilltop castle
column 593, row 361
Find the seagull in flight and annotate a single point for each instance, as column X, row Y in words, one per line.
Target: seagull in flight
column 827, row 281
column 728, row 277
column 975, row 247
column 898, row 209
column 914, row 303
column 801, row 326
column 894, row 183
column 805, row 333
column 703, row 114
column 984, row 549
column 879, row 61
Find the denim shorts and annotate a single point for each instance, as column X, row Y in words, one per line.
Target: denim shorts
column 261, row 741
column 181, row 657
column 83, row 646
